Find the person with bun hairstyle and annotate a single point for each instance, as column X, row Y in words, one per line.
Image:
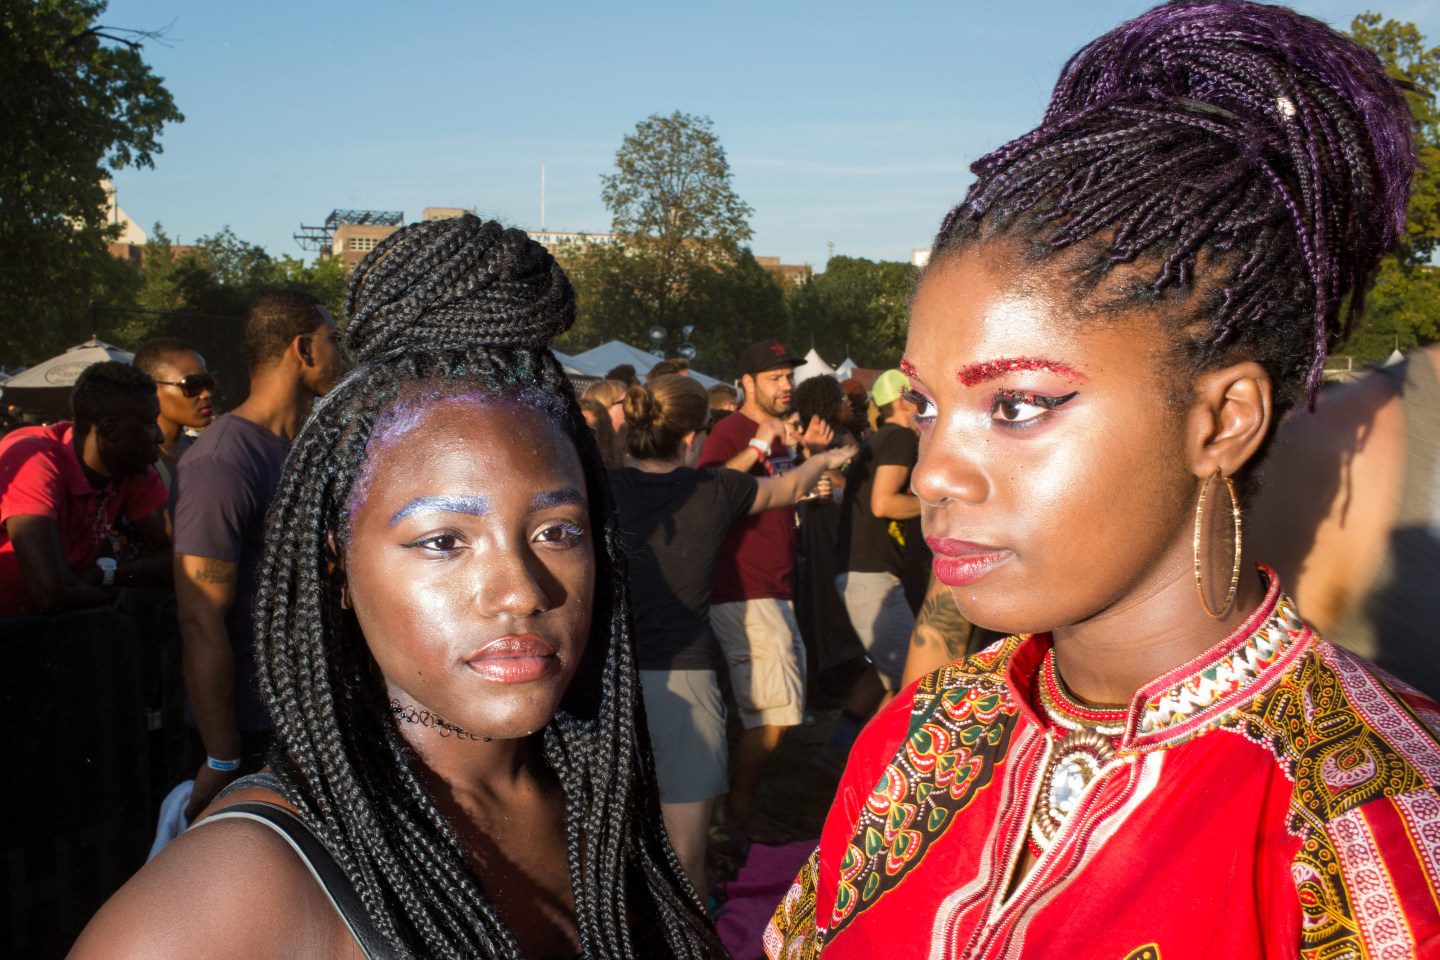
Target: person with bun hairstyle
column 674, row 519
column 610, row 394
column 1163, row 761
column 444, row 645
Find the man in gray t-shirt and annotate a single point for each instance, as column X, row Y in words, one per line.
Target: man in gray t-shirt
column 223, row 487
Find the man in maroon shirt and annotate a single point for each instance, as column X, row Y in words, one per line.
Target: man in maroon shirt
column 750, row 603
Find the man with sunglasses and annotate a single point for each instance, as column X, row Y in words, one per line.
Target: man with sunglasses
column 186, row 390
column 223, row 487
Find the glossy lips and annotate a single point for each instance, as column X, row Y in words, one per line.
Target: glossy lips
column 958, row 562
column 516, row 659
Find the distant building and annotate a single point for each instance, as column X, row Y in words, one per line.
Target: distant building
column 796, row 273
column 349, row 234
column 444, row 213
column 559, row 242
column 130, row 245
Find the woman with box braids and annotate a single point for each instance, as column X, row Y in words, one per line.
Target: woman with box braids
column 444, row 598
column 1162, row 760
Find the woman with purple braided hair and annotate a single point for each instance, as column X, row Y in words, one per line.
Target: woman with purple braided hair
column 1163, row 760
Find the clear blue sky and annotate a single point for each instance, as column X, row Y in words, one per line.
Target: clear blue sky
column 842, row 121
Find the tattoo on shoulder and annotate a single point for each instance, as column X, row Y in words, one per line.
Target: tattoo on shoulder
column 939, row 622
column 214, row 571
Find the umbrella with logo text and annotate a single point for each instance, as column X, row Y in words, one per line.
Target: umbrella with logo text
column 45, row 387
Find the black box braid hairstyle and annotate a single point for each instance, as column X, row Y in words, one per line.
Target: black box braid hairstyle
column 1254, row 140
column 449, row 307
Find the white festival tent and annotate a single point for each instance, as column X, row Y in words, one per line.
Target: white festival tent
column 597, row 360
column 843, row 371
column 46, row 385
column 814, row 366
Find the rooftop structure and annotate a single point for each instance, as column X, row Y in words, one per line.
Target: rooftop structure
column 322, row 237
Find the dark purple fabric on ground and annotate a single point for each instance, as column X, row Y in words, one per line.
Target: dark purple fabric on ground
column 753, row 896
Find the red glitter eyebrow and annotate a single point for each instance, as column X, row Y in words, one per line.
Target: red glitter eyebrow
column 977, row 373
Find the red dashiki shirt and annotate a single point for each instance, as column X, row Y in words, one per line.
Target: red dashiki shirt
column 1274, row 797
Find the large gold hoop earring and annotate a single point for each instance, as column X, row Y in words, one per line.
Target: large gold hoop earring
column 1235, row 570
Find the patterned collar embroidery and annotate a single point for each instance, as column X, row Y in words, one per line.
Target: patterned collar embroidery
column 1220, row 679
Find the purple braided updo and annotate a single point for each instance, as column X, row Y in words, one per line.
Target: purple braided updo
column 1259, row 140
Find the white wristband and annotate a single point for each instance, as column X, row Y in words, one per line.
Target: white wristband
column 760, row 445
column 222, row 765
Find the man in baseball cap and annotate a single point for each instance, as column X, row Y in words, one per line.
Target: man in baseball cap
column 750, row 604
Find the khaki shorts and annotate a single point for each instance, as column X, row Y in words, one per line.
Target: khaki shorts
column 762, row 646
column 686, row 719
column 882, row 619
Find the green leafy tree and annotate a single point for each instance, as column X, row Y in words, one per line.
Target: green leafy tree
column 1404, row 301
column 731, row 308
column 857, row 306
column 77, row 102
column 679, row 220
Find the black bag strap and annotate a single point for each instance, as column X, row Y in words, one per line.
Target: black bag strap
column 322, row 867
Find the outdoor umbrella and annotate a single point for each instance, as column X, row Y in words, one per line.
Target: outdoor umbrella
column 45, row 387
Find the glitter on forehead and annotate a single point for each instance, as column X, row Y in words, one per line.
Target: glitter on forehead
column 977, row 373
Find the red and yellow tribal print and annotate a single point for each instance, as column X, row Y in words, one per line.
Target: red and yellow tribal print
column 1274, row 797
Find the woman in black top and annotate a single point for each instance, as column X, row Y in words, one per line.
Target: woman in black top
column 673, row 518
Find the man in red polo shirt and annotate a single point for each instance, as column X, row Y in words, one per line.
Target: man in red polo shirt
column 63, row 486
column 750, row 603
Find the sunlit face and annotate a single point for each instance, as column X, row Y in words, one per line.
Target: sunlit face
column 471, row 566
column 196, row 411
column 772, row 389
column 1051, row 471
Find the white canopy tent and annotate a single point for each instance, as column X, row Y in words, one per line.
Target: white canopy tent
column 46, row 385
column 843, row 371
column 597, row 360
column 814, row 366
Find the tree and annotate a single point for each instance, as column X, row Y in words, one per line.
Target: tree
column 857, row 307
column 77, row 102
column 1404, row 301
column 678, row 219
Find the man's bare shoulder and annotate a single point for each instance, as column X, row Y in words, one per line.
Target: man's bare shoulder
column 231, row 888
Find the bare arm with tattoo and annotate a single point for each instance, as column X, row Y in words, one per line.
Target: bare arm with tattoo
column 940, row 636
column 204, row 592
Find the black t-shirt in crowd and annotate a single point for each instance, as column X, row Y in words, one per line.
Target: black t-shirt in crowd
column 673, row 525
column 871, row 544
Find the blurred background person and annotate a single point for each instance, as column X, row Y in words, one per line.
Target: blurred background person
column 674, row 519
column 859, row 400
column 724, row 400
column 873, row 545
column 610, row 394
column 223, row 487
column 624, row 373
column 186, row 390
column 597, row 418
column 1350, row 515
column 751, row 610
column 62, row 488
column 674, row 365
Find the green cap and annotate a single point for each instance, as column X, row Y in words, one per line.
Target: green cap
column 888, row 386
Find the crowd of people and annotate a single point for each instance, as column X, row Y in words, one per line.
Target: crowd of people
column 473, row 662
